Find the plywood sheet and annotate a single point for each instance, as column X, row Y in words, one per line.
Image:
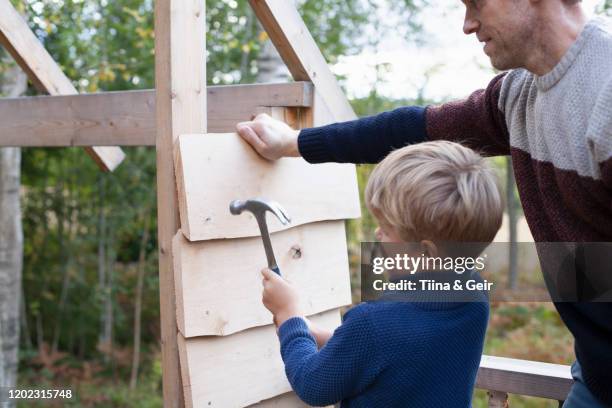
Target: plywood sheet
column 214, row 169
column 218, row 282
column 238, row 370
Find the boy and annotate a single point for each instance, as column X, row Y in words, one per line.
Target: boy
column 414, row 353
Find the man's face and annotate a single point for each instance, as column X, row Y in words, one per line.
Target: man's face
column 505, row 27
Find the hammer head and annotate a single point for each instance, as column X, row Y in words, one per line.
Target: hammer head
column 259, row 206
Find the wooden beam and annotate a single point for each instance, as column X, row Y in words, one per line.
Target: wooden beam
column 128, row 118
column 180, row 83
column 301, row 54
column 44, row 72
column 524, row 377
column 308, row 193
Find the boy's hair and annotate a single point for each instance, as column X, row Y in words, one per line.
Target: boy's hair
column 440, row 191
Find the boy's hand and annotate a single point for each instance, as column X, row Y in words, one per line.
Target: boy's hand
column 279, row 297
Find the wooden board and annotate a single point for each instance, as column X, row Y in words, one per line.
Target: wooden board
column 180, row 83
column 127, row 118
column 524, row 377
column 218, row 282
column 44, row 72
column 237, row 370
column 214, row 169
column 300, row 53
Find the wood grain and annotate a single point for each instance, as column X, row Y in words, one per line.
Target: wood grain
column 180, row 83
column 44, row 72
column 218, row 282
column 127, row 118
column 238, row 370
column 308, row 193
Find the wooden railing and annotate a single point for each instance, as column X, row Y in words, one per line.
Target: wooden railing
column 501, row 376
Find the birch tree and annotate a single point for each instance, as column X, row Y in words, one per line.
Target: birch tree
column 12, row 84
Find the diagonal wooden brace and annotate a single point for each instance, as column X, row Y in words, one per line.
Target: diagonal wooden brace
column 44, row 72
column 301, row 54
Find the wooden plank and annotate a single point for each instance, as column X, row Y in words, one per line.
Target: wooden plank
column 308, row 193
column 128, row 118
column 44, row 72
column 180, row 83
column 524, row 377
column 238, row 370
column 300, row 53
column 219, row 293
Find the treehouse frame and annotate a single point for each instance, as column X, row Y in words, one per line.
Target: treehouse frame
column 183, row 104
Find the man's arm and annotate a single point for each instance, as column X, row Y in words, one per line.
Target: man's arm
column 475, row 121
column 365, row 140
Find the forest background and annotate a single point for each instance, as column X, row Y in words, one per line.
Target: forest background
column 89, row 310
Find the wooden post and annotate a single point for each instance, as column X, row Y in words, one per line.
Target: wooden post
column 180, row 76
column 497, row 399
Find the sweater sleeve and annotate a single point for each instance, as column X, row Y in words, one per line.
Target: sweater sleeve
column 476, row 122
column 344, row 367
column 365, row 140
column 599, row 135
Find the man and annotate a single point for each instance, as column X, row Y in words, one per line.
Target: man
column 552, row 112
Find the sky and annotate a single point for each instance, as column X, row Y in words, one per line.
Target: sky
column 451, row 64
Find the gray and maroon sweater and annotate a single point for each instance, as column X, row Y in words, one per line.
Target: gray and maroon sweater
column 557, row 128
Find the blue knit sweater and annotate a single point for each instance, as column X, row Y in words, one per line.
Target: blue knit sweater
column 390, row 354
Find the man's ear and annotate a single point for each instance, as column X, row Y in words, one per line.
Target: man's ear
column 429, row 249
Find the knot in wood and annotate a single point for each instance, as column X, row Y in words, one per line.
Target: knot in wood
column 296, row 251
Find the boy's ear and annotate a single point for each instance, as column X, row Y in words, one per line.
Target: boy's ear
column 429, row 249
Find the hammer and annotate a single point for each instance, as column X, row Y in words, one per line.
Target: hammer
column 258, row 207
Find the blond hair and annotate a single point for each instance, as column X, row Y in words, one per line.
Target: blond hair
column 438, row 191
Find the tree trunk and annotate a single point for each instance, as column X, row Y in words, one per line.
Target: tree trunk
column 270, row 66
column 13, row 84
column 142, row 258
column 103, row 338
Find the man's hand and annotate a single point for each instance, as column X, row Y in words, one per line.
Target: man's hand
column 271, row 138
column 279, row 297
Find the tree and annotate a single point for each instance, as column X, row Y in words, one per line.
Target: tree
column 13, row 83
